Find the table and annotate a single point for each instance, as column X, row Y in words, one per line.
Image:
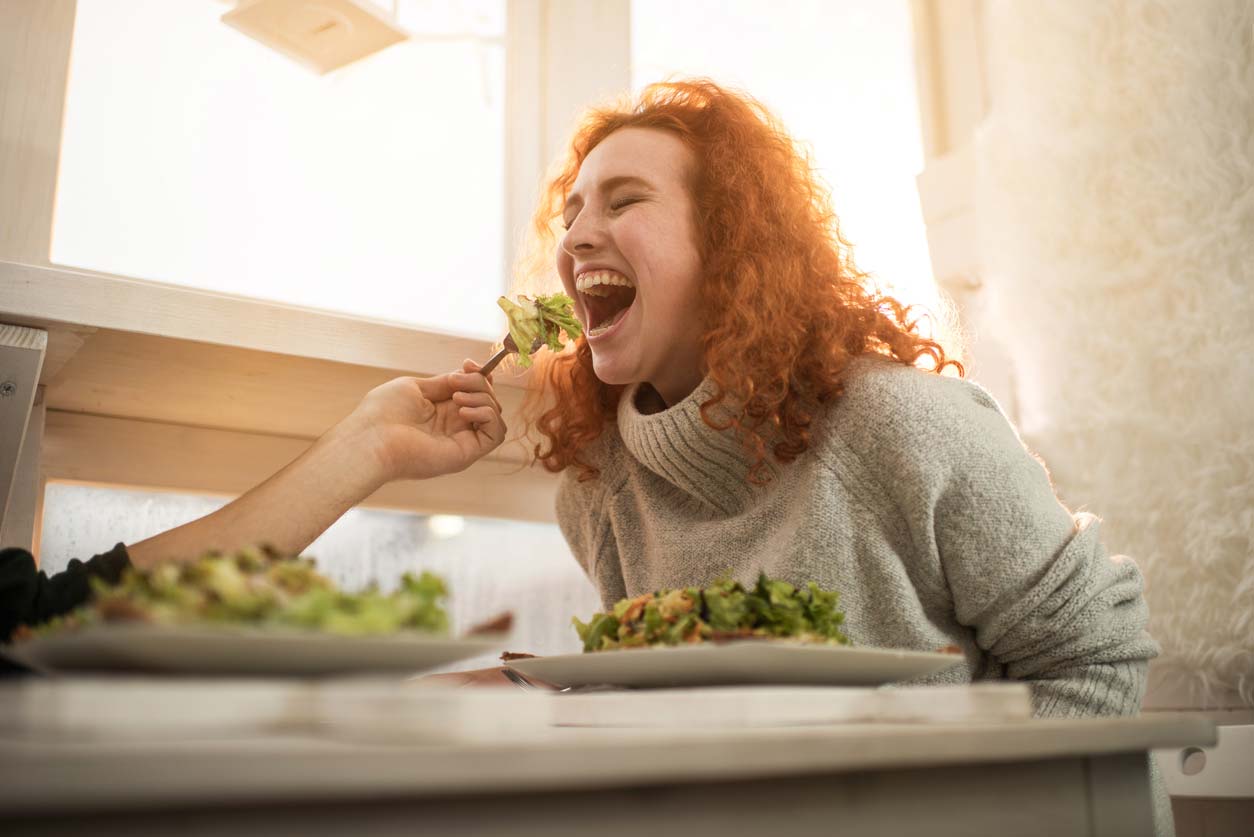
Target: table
column 1040, row 777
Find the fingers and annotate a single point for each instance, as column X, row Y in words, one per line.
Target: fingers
column 475, row 399
column 482, row 412
column 439, row 388
column 469, row 365
column 486, row 422
column 472, row 381
column 443, row 387
column 481, row 417
column 469, row 381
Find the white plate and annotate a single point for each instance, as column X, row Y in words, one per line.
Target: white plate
column 736, row 663
column 186, row 650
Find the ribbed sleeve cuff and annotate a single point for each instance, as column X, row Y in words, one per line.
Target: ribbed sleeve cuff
column 1093, row 690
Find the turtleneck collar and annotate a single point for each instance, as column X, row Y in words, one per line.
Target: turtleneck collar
column 678, row 446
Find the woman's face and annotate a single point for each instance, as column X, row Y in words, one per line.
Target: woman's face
column 630, row 261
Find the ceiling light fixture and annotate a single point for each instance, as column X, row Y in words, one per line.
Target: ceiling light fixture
column 323, row 35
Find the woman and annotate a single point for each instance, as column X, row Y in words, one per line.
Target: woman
column 744, row 402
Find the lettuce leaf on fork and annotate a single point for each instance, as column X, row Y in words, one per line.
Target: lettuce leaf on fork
column 544, row 317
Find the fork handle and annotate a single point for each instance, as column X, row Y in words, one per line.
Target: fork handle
column 494, row 361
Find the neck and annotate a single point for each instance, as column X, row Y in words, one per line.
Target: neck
column 676, row 386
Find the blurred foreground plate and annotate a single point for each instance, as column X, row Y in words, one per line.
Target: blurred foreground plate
column 736, row 663
column 197, row 650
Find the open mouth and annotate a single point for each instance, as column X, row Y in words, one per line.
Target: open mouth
column 606, row 295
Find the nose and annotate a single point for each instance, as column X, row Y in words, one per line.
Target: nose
column 585, row 235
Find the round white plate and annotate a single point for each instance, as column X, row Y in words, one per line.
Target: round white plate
column 736, row 663
column 197, row 650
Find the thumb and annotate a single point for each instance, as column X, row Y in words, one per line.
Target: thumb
column 469, row 365
column 424, row 409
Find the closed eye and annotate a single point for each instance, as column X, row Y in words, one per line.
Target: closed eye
column 615, row 206
column 622, row 203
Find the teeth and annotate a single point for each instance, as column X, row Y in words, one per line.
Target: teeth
column 588, row 281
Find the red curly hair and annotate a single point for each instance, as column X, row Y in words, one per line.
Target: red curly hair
column 771, row 252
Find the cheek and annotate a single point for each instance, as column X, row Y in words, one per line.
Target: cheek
column 566, row 270
column 673, row 264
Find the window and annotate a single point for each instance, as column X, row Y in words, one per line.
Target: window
column 841, row 77
column 195, row 155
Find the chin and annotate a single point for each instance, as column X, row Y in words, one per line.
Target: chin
column 612, row 374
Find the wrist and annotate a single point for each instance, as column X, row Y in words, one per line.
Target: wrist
column 357, row 451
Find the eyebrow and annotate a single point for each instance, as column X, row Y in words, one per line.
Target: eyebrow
column 609, row 185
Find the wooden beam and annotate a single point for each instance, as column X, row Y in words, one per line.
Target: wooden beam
column 125, row 452
column 160, row 379
column 35, row 38
column 63, row 343
column 86, row 299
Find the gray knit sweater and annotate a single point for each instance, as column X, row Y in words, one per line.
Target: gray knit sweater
column 916, row 501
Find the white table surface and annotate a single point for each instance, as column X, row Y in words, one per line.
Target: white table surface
column 491, row 764
column 36, row 773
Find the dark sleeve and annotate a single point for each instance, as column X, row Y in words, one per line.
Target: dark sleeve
column 29, row 597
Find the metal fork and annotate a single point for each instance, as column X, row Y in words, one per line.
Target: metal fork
column 520, row 681
column 523, row 683
column 508, row 347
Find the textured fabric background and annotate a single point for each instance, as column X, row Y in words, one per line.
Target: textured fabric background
column 1116, row 202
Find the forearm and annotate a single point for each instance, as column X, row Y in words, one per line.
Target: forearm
column 407, row 428
column 1102, row 689
column 288, row 511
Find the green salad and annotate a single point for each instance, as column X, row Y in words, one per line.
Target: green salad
column 544, row 317
column 723, row 611
column 259, row 588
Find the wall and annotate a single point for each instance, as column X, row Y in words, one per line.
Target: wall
column 1115, row 201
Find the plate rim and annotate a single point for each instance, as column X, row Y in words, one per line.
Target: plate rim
column 33, row 652
column 706, row 647
column 249, row 632
column 607, row 667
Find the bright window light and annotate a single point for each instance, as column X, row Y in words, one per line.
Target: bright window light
column 841, row 77
column 444, row 526
column 194, row 155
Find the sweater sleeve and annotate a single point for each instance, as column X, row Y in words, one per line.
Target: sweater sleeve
column 1032, row 581
column 30, row 597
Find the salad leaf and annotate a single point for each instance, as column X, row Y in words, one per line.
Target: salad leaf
column 723, row 610
column 259, row 587
column 544, row 317
column 600, row 631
